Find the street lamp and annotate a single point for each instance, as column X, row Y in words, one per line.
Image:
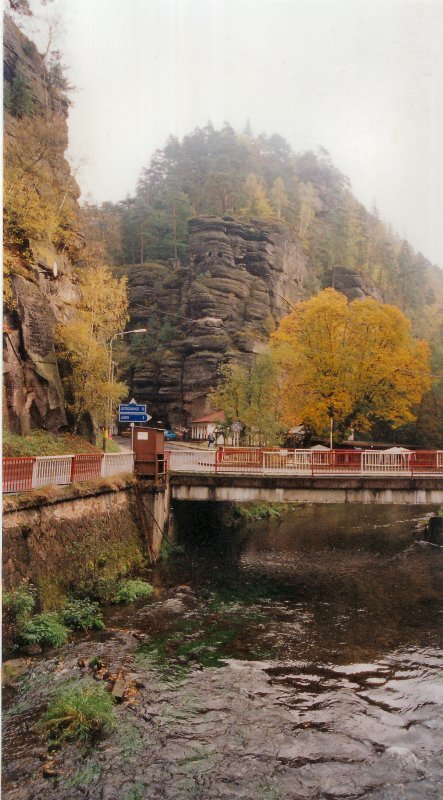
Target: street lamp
column 110, row 371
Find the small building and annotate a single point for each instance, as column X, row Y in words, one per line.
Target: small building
column 201, row 427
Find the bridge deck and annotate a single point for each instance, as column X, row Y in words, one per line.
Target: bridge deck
column 350, row 488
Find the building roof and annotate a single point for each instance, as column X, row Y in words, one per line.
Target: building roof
column 214, row 416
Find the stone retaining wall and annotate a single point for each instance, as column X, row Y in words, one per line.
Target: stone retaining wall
column 55, row 541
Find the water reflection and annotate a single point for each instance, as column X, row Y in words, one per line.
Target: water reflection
column 341, row 584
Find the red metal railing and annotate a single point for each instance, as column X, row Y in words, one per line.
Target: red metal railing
column 86, row 467
column 17, row 474
column 427, row 461
column 239, row 459
column 336, row 461
column 262, row 461
column 23, row 474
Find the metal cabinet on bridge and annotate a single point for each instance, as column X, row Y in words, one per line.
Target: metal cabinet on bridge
column 149, row 449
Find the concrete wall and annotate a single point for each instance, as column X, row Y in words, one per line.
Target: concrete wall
column 54, row 541
column 300, row 489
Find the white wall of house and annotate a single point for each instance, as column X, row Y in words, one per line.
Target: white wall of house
column 201, row 430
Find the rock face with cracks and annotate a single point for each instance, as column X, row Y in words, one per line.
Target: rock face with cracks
column 242, row 279
column 43, row 285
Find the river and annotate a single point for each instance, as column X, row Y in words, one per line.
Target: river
column 299, row 659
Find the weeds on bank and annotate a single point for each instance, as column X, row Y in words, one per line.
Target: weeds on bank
column 84, row 777
column 43, row 629
column 135, row 792
column 255, row 511
column 127, row 591
column 82, row 615
column 79, row 712
column 19, row 603
column 113, row 590
column 51, row 629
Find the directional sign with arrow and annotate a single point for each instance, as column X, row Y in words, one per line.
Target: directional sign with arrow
column 133, row 412
column 134, row 417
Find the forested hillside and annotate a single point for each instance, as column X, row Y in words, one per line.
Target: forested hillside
column 230, row 179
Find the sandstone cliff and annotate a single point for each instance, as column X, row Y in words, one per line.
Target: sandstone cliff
column 41, row 285
column 241, row 280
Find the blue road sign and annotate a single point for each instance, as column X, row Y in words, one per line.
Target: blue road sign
column 133, row 417
column 130, row 408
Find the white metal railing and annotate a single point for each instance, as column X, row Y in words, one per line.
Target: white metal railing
column 113, row 463
column 315, row 462
column 49, row 470
column 191, row 460
column 379, row 461
column 22, row 474
column 287, row 460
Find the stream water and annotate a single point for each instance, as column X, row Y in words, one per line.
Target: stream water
column 302, row 659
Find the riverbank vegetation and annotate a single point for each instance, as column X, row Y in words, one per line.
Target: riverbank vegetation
column 79, row 712
column 23, row 629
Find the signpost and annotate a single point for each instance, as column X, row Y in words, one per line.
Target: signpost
column 136, row 417
column 131, row 408
column 133, row 412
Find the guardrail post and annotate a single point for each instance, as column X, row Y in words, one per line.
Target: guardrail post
column 312, row 465
column 72, row 476
column 412, row 464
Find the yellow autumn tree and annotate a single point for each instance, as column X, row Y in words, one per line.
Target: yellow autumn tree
column 83, row 342
column 353, row 362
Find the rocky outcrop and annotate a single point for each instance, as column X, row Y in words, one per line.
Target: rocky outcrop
column 33, row 389
column 242, row 279
column 43, row 290
column 353, row 285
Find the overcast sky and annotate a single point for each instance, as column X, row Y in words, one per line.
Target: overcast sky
column 362, row 78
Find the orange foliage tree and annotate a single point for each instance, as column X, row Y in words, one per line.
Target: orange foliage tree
column 355, row 362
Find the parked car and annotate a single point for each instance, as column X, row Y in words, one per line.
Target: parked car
column 170, row 436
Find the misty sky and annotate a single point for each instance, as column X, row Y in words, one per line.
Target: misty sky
column 362, row 78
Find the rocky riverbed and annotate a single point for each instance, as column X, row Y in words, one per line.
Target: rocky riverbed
column 308, row 665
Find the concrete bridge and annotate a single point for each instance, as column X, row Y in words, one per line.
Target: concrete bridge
column 245, row 475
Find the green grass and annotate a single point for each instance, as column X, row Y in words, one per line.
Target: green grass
column 82, row 615
column 43, row 629
column 135, row 792
column 42, row 443
column 252, row 512
column 127, row 591
column 84, row 777
column 79, row 711
column 112, row 447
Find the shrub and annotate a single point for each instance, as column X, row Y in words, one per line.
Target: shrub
column 18, row 603
column 79, row 711
column 17, row 607
column 129, row 590
column 82, row 615
column 43, row 629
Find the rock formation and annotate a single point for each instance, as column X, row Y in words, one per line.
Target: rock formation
column 241, row 280
column 43, row 287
